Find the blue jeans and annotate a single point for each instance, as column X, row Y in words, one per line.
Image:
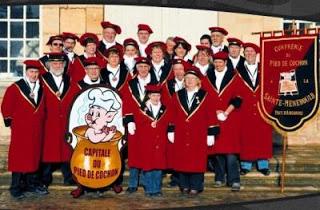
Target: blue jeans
column 134, row 175
column 192, row 181
column 261, row 164
column 152, row 181
column 227, row 165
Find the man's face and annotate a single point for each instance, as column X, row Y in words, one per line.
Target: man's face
column 109, row 34
column 69, row 44
column 93, row 71
column 143, row 36
column 32, row 74
column 217, row 38
column 113, row 59
column 191, row 81
column 250, row 54
column 143, row 69
column 170, row 45
column 219, row 64
column 178, row 71
column 234, row 51
column 157, row 54
column 91, row 48
column 56, row 46
column 56, row 67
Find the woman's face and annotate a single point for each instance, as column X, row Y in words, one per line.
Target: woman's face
column 180, row 51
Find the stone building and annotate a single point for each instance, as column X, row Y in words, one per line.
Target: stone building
column 25, row 30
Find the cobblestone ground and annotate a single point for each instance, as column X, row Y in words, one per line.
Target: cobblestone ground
column 60, row 199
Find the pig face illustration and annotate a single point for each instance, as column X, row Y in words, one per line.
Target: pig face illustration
column 98, row 117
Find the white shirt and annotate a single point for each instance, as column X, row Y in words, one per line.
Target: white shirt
column 142, row 82
column 154, row 109
column 114, row 75
column 235, row 61
column 108, row 44
column 86, row 55
column 178, row 85
column 34, row 88
column 87, row 80
column 130, row 62
column 157, row 68
column 191, row 96
column 217, row 49
column 219, row 77
column 252, row 72
column 142, row 49
column 70, row 55
column 203, row 69
column 58, row 80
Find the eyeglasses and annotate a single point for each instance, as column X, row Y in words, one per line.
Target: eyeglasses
column 57, row 44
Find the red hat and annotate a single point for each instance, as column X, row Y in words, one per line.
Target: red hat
column 89, row 38
column 34, row 64
column 235, row 41
column 56, row 56
column 142, row 60
column 150, row 46
column 194, row 71
column 55, row 37
column 219, row 29
column 153, row 88
column 131, row 42
column 221, row 55
column 145, row 27
column 254, row 46
column 202, row 47
column 181, row 61
column 118, row 49
column 107, row 24
column 94, row 61
column 67, row 35
column 179, row 40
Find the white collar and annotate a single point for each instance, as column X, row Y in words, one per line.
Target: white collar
column 158, row 66
column 251, row 67
column 109, row 44
column 112, row 69
column 86, row 55
column 221, row 73
column 203, row 69
column 145, row 80
column 87, row 80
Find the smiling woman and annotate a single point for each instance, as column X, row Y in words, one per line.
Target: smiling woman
column 19, row 38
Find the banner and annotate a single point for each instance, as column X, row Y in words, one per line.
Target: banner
column 289, row 80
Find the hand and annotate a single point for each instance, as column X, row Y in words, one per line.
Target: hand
column 222, row 116
column 131, row 128
column 171, row 137
column 210, row 141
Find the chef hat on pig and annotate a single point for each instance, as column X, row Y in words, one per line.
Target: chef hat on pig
column 104, row 99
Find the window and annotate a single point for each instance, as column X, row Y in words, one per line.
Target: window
column 301, row 24
column 19, row 37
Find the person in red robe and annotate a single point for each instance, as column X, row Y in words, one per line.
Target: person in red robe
column 69, row 43
column 151, row 129
column 109, row 33
column 256, row 134
column 135, row 97
column 58, row 98
column 90, row 42
column 195, row 127
column 23, row 111
column 130, row 52
column 223, row 84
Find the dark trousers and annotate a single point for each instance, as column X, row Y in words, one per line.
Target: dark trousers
column 124, row 156
column 23, row 182
column 227, row 165
column 192, row 181
column 47, row 169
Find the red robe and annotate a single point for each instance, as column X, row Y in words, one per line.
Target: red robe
column 25, row 118
column 256, row 134
column 228, row 141
column 189, row 150
column 152, row 140
column 56, row 148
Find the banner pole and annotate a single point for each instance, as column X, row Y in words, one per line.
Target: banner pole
column 283, row 168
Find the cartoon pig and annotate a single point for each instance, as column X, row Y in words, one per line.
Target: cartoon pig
column 101, row 112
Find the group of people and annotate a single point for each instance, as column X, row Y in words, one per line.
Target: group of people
column 182, row 116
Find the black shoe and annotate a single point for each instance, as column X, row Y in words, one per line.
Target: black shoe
column 265, row 172
column 131, row 190
column 244, row 171
column 172, row 184
column 38, row 190
column 18, row 195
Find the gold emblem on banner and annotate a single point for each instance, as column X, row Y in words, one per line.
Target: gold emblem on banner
column 288, row 83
